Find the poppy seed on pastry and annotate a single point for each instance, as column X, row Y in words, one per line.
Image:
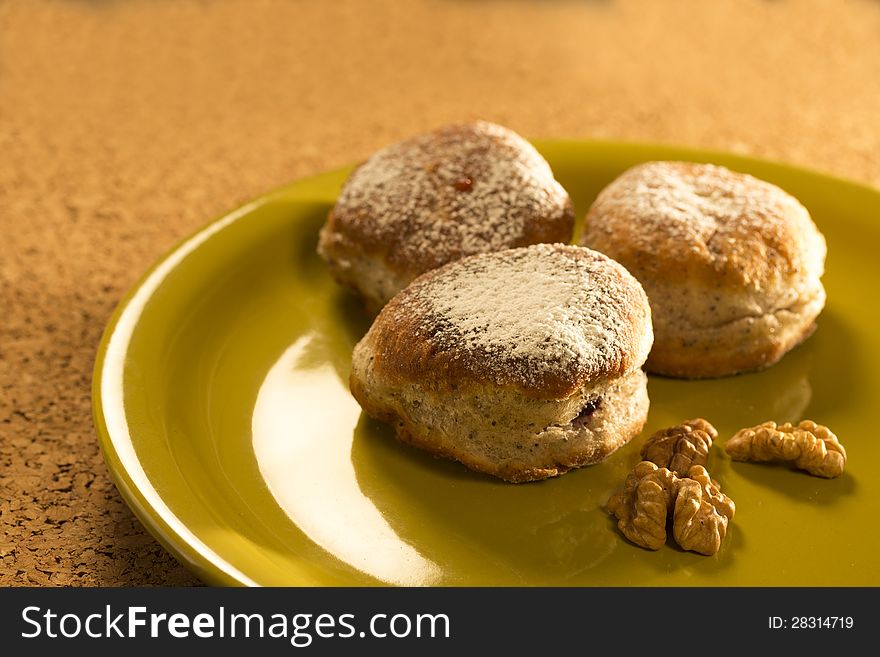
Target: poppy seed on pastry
column 523, row 363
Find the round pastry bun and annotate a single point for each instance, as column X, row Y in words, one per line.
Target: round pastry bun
column 434, row 198
column 522, row 364
column 731, row 264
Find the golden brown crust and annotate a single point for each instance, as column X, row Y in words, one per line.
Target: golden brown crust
column 437, row 197
column 731, row 264
column 511, row 471
column 701, row 223
column 558, row 449
column 599, row 327
column 747, row 345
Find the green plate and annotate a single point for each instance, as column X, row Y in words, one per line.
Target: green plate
column 222, row 408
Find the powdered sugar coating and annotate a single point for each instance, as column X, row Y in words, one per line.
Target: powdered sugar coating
column 740, row 228
column 546, row 318
column 460, row 190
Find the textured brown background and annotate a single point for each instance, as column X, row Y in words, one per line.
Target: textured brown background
column 125, row 125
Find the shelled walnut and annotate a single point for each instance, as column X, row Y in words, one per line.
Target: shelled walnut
column 702, row 513
column 652, row 495
column 644, row 504
column 809, row 446
column 680, row 447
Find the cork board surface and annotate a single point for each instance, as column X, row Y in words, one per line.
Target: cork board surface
column 127, row 124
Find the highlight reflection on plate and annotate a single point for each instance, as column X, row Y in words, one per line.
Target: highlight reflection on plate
column 303, row 450
column 223, row 409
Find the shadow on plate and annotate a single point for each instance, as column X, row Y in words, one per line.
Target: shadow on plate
column 554, row 532
column 806, row 383
column 526, row 533
column 796, row 484
column 309, row 267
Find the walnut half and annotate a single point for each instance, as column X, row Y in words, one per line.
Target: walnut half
column 643, row 505
column 809, row 446
column 702, row 513
column 699, row 511
column 681, row 447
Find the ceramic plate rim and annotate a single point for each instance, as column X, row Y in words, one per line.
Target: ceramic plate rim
column 115, row 438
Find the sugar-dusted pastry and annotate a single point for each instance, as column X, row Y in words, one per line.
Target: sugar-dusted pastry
column 434, row 198
column 731, row 264
column 523, row 363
